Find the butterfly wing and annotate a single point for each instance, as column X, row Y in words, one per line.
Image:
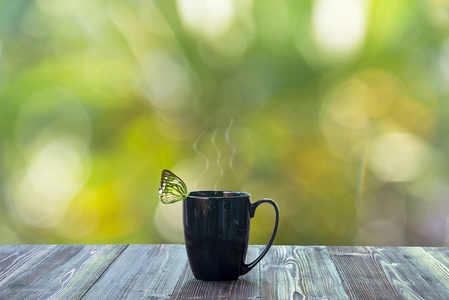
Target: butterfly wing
column 172, row 188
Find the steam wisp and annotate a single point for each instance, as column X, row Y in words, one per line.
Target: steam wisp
column 218, row 159
column 231, row 160
column 195, row 147
column 219, row 154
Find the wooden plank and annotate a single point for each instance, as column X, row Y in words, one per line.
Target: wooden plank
column 142, row 271
column 12, row 257
column 433, row 265
column 380, row 273
column 277, row 275
column 65, row 272
column 300, row 272
column 246, row 287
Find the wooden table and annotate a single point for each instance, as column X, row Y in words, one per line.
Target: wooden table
column 162, row 272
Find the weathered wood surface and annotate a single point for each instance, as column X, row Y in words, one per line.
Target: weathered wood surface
column 163, row 272
column 432, row 264
column 381, row 273
column 141, row 271
column 300, row 273
column 53, row 272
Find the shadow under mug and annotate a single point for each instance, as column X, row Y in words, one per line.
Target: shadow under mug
column 216, row 233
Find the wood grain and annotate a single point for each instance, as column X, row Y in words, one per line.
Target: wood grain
column 246, row 287
column 142, row 271
column 64, row 272
column 380, row 273
column 12, row 257
column 433, row 265
column 163, row 272
column 298, row 272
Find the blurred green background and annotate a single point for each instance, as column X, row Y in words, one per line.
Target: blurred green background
column 335, row 109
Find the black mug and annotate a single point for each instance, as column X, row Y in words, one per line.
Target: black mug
column 216, row 233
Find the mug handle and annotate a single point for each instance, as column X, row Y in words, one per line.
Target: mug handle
column 247, row 267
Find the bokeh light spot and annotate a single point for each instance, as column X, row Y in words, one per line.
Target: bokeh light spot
column 166, row 82
column 339, row 25
column 168, row 221
column 54, row 176
column 206, row 17
column 398, row 157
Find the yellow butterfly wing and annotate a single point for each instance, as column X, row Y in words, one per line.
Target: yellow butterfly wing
column 172, row 188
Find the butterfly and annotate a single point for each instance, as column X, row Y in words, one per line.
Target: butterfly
column 172, row 188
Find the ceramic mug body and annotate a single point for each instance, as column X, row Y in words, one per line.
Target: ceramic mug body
column 216, row 233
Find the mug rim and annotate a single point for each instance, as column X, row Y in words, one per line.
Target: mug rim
column 207, row 194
